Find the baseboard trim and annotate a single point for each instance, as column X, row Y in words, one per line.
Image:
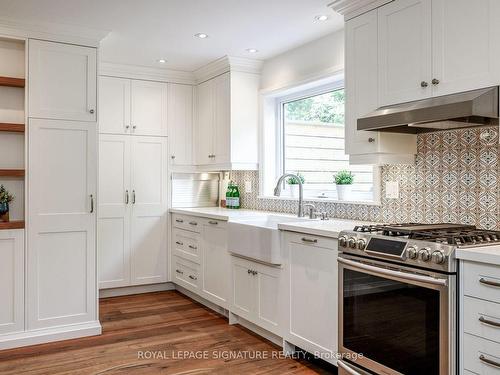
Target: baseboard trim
column 203, row 301
column 138, row 289
column 46, row 335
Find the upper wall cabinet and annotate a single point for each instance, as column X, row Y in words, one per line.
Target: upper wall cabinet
column 68, row 73
column 227, row 122
column 180, row 124
column 437, row 47
column 132, row 107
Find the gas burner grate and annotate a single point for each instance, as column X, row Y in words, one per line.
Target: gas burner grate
column 459, row 238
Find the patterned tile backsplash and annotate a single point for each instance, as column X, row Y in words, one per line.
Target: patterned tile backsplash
column 455, row 179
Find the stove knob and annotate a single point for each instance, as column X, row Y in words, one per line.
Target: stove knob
column 343, row 241
column 412, row 252
column 352, row 243
column 438, row 257
column 425, row 254
column 361, row 244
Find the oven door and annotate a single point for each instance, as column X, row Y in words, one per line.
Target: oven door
column 395, row 321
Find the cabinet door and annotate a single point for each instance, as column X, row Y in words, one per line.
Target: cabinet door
column 269, row 292
column 62, row 81
column 11, row 281
column 61, row 265
column 215, row 263
column 149, row 108
column 361, row 81
column 114, row 105
column 205, row 124
column 149, row 210
column 222, row 125
column 404, row 51
column 466, row 45
column 244, row 295
column 313, row 281
column 180, row 124
column 113, row 227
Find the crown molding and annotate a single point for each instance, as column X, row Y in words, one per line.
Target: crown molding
column 226, row 64
column 353, row 8
column 146, row 73
column 52, row 31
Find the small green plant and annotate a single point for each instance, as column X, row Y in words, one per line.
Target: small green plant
column 5, row 196
column 295, row 181
column 344, row 177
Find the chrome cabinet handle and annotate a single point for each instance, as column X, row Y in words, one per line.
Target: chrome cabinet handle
column 179, row 243
column 213, row 222
column 179, row 220
column 193, row 223
column 133, row 196
column 91, row 203
column 488, row 322
column 490, row 362
column 179, row 272
column 424, row 84
column 193, row 277
column 252, row 272
column 211, row 156
column 494, row 284
column 126, row 197
column 310, row 240
column 91, row 111
column 192, row 247
column 435, row 81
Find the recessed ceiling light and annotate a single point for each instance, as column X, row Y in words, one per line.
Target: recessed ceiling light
column 252, row 50
column 201, row 35
column 321, row 18
column 162, row 61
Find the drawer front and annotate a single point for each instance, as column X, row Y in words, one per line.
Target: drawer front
column 481, row 356
column 186, row 244
column 482, row 318
column 482, row 281
column 190, row 223
column 186, row 273
column 311, row 240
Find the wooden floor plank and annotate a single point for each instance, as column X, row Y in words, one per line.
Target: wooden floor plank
column 167, row 323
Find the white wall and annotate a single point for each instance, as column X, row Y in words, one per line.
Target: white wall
column 309, row 61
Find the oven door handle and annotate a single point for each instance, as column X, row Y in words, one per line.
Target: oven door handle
column 398, row 274
column 346, row 368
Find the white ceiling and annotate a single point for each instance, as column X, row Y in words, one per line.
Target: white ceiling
column 143, row 31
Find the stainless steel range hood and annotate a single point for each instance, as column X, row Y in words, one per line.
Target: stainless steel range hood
column 466, row 109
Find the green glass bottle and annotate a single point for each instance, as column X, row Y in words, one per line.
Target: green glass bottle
column 229, row 195
column 236, row 197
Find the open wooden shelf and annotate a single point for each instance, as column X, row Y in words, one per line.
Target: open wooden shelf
column 12, row 82
column 9, row 127
column 16, row 224
column 11, row 172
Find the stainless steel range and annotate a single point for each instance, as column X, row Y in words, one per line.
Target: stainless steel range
column 397, row 302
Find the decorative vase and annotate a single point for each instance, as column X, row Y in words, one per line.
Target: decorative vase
column 294, row 190
column 4, row 212
column 344, row 192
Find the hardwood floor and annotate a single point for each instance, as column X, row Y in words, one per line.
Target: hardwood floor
column 157, row 333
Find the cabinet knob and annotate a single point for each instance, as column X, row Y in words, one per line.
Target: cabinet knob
column 134, row 127
column 424, row 84
column 435, row 81
column 371, row 140
column 91, row 111
column 172, row 157
column 127, row 127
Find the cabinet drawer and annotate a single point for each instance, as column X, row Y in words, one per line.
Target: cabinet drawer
column 190, row 223
column 481, row 356
column 482, row 281
column 186, row 273
column 186, row 244
column 311, row 240
column 482, row 318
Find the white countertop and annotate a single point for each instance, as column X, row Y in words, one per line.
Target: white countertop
column 485, row 254
column 327, row 228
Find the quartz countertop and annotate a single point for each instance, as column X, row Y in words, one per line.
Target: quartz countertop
column 484, row 254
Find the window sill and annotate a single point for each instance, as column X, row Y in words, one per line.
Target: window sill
column 326, row 200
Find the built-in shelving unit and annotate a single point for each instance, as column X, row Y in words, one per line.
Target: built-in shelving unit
column 12, row 81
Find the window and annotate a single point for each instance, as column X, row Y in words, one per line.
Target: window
column 310, row 142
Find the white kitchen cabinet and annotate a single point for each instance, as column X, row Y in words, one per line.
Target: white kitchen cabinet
column 404, row 32
column 180, row 124
column 227, row 122
column 465, row 45
column 256, row 293
column 311, row 293
column 61, row 253
column 148, row 108
column 12, row 281
column 361, row 88
column 132, row 210
column 215, row 263
column 114, row 105
column 114, row 211
column 62, row 81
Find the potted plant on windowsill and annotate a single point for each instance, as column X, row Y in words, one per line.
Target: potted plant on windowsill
column 343, row 180
column 293, row 185
column 5, row 199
